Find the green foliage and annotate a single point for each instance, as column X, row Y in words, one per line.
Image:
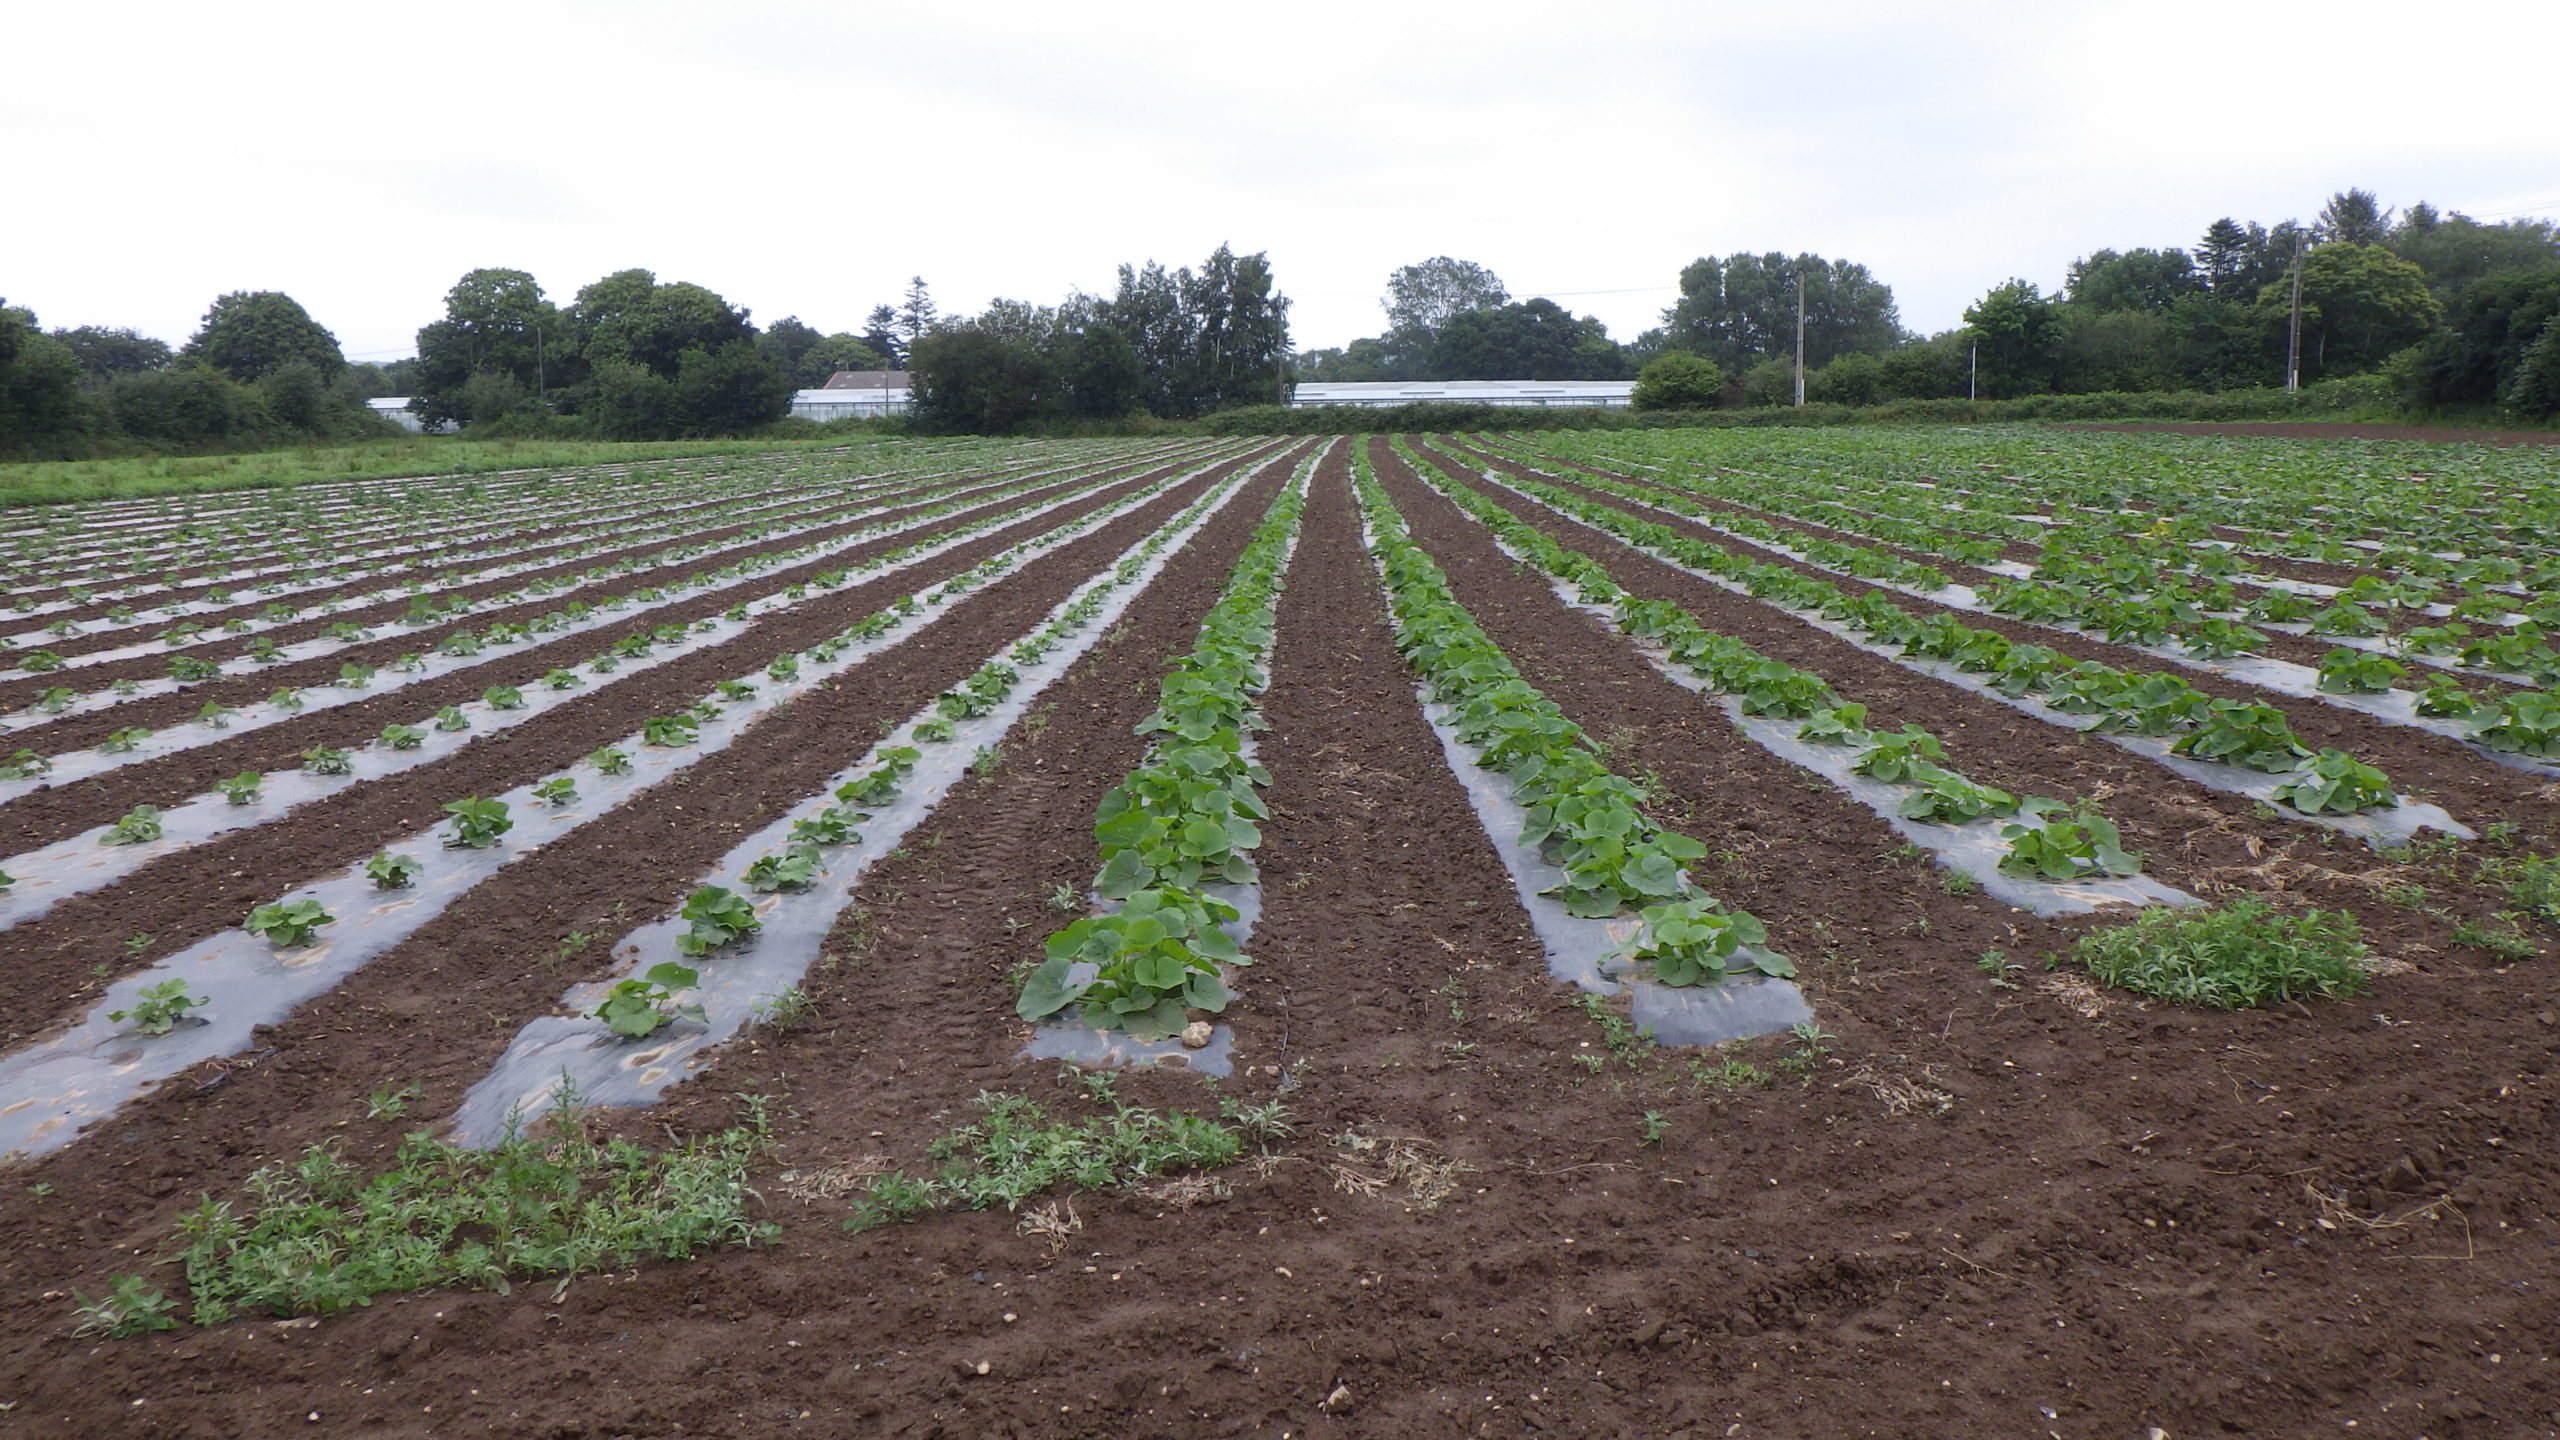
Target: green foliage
column 558, row 790
column 879, row 784
column 2522, row 722
column 322, row 760
column 123, row 741
column 794, row 868
column 2336, row 783
column 290, row 924
column 393, row 872
column 2236, row 732
column 1139, row 968
column 318, row 1237
column 241, row 789
column 140, row 826
column 2229, row 956
column 129, row 1308
column 401, row 737
column 2056, row 842
column 610, row 761
column 714, row 916
column 1016, row 1152
column 1696, row 941
column 477, row 823
column 248, row 334
column 638, row 1009
column 669, row 731
column 159, row 1008
column 1900, row 756
column 1946, row 798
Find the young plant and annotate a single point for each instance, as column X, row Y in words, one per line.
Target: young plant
column 477, row 823
column 2056, row 842
column 2336, row 783
column 393, row 872
column 129, row 1308
column 2349, row 671
column 140, row 826
column 188, row 669
column 669, row 731
column 934, row 729
column 794, row 868
column 610, row 761
column 1843, row 724
column 1695, row 942
column 715, row 916
column 558, row 790
column 1900, row 756
column 288, row 925
column 159, row 1008
column 24, row 765
column 402, row 737
column 638, row 1009
column 241, row 789
column 1946, row 798
column 831, row 826
column 1140, row 969
column 2236, row 732
column 503, row 697
column 322, row 760
column 559, row 679
column 123, row 741
column 216, row 714
column 353, row 676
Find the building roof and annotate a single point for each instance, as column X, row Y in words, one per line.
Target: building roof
column 866, row 380
column 1459, row 389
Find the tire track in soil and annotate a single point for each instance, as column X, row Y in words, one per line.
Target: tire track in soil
column 2426, row 766
column 74, row 732
column 188, row 894
column 1039, row 803
column 55, row 812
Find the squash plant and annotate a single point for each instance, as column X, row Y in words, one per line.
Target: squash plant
column 714, row 916
column 2054, row 841
column 288, row 924
column 638, row 1009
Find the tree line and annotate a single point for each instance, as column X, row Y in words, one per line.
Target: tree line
column 2433, row 309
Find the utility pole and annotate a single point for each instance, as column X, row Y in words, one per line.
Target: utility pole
column 2293, row 341
column 1799, row 337
column 1973, row 373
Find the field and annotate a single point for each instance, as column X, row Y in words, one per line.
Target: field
column 1644, row 933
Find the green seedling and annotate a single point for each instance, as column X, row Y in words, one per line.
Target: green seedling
column 2056, row 842
column 715, row 916
column 322, row 760
column 795, row 868
column 159, row 1008
column 401, row 737
column 393, row 872
column 288, row 925
column 140, row 826
column 638, row 1009
column 669, row 731
column 2336, row 783
column 241, row 789
column 503, row 697
column 477, row 823
column 124, row 741
column 610, row 761
column 129, row 1308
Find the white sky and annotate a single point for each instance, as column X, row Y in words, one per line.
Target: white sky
column 804, row 158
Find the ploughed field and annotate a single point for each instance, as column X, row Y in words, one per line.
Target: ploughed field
column 1645, row 933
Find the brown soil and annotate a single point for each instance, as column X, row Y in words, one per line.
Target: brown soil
column 1978, row 1212
column 2330, row 430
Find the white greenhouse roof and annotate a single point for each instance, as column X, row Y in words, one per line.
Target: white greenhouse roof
column 1476, row 392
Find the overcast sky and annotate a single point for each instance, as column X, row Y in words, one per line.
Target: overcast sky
column 805, row 158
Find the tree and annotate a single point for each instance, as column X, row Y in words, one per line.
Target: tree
column 1536, row 340
column 40, row 406
column 102, row 352
column 2125, row 349
column 880, row 332
column 969, row 378
column 1101, row 374
column 2135, row 280
column 731, row 390
column 2359, row 304
column 2020, row 334
column 1428, row 294
column 915, row 317
column 249, row 332
column 496, row 323
column 1853, row 379
column 2472, row 358
column 1679, row 382
column 2457, row 251
column 2535, row 389
column 837, row 352
column 629, row 318
column 2354, row 217
column 186, row 404
column 1931, row 369
column 2239, row 261
column 1740, row 310
column 1205, row 340
column 787, row 340
column 2218, row 342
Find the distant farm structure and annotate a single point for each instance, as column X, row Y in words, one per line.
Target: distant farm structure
column 1385, row 394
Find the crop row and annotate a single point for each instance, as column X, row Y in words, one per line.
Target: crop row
column 1185, row 818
